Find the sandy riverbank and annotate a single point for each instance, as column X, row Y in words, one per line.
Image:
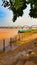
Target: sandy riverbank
column 19, row 55
column 7, row 33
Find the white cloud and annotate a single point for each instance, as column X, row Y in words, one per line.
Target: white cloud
column 24, row 20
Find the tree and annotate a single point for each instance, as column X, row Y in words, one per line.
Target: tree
column 33, row 10
column 17, row 7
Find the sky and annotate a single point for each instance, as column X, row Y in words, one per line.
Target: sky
column 6, row 16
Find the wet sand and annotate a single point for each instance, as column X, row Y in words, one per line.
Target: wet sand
column 20, row 56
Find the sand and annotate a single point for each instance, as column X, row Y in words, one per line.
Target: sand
column 7, row 33
column 19, row 55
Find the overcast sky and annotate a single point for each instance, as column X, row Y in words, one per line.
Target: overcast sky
column 7, row 15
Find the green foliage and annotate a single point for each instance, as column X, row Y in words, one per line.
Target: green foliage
column 33, row 12
column 17, row 7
